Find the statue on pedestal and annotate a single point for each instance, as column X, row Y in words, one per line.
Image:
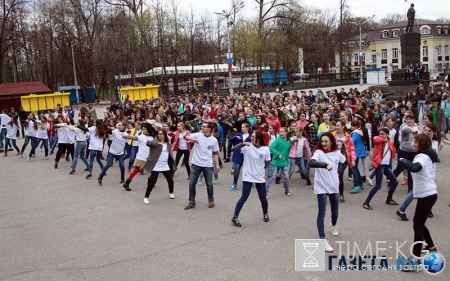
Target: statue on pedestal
column 410, row 15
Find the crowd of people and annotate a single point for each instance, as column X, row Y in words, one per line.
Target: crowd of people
column 268, row 138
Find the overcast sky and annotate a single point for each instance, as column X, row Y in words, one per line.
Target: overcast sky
column 425, row 9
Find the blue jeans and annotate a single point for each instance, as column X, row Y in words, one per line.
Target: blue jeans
column 36, row 144
column 420, row 104
column 334, row 203
column 379, row 172
column 195, row 173
column 80, row 150
column 9, row 141
column 447, row 125
column 128, row 148
column 25, row 143
column 246, row 188
column 54, row 142
column 2, row 136
column 300, row 163
column 95, row 154
column 284, row 171
column 109, row 163
column 357, row 180
column 237, row 170
column 407, row 201
column 134, row 150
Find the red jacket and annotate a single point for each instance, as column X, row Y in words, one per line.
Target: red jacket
column 176, row 139
column 349, row 149
column 378, row 149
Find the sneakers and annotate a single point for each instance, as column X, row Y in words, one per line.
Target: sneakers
column 355, row 189
column 236, row 222
column 28, row 159
column 233, row 187
column 350, row 179
column 277, row 180
column 405, row 182
column 328, row 248
column 401, row 215
column 370, row 181
column 308, row 181
column 200, row 182
column 216, row 181
column 146, row 201
column 232, row 171
column 364, row 179
column 287, row 193
column 171, row 196
column 361, row 186
column 266, row 217
column 189, row 206
column 211, row 204
column 341, row 199
column 72, row 172
column 334, row 230
column 89, row 176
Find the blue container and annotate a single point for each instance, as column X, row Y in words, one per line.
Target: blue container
column 91, row 95
column 283, row 76
column 269, row 77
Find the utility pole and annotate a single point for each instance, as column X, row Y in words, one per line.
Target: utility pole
column 75, row 76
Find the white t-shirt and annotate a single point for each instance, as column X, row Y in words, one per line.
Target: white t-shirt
column 163, row 161
column 11, row 132
column 143, row 150
column 95, row 143
column 386, row 155
column 80, row 135
column 424, row 181
column 300, row 143
column 42, row 133
column 203, row 150
column 29, row 129
column 254, row 163
column 70, row 134
column 327, row 182
column 63, row 136
column 4, row 120
column 137, row 133
column 118, row 143
column 182, row 144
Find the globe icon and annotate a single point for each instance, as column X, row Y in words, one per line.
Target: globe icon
column 434, row 263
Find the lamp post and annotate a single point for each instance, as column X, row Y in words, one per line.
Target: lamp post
column 227, row 15
column 360, row 23
column 75, row 76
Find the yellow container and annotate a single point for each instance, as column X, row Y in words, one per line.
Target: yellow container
column 141, row 93
column 34, row 103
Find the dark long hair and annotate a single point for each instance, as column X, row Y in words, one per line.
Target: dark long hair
column 100, row 129
column 332, row 140
column 423, row 142
column 259, row 138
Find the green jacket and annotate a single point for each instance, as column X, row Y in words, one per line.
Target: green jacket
column 280, row 146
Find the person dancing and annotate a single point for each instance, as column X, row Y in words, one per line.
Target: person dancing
column 327, row 157
column 256, row 159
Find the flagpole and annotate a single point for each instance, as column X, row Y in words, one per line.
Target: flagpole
column 405, row 10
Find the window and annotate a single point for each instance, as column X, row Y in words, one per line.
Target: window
column 439, row 29
column 374, row 58
column 446, row 50
column 425, row 30
column 445, row 29
column 355, row 60
column 395, row 53
column 439, row 50
column 425, row 67
column 361, row 44
column 425, row 51
column 395, row 33
column 384, row 54
column 351, row 44
column 384, row 34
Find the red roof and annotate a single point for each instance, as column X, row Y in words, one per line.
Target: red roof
column 23, row 88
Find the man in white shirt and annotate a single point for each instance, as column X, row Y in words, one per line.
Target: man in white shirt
column 205, row 149
column 116, row 149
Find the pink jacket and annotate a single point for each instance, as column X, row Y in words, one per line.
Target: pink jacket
column 306, row 149
column 349, row 148
column 176, row 139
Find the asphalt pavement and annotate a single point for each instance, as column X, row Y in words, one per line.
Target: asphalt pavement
column 56, row 226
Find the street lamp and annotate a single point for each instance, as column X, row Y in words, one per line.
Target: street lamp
column 227, row 15
column 360, row 23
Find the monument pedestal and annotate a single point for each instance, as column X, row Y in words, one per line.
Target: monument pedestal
column 410, row 48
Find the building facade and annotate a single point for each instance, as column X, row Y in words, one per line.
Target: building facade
column 380, row 47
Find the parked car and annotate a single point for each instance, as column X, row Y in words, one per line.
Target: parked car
column 438, row 76
column 300, row 76
column 389, row 79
